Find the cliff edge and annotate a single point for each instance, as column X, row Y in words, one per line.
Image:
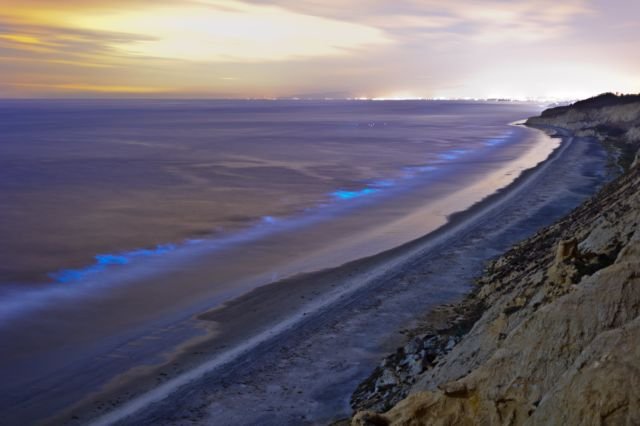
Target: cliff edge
column 552, row 333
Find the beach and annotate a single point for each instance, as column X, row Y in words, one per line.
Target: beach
column 549, row 333
column 129, row 191
column 342, row 213
column 316, row 342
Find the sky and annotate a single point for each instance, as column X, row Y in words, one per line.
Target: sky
column 393, row 49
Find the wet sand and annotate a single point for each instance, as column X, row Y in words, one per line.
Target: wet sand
column 317, row 341
column 68, row 341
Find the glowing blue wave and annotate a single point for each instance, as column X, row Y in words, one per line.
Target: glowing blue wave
column 419, row 169
column 343, row 194
column 453, row 154
column 269, row 219
column 387, row 183
column 104, row 261
column 498, row 141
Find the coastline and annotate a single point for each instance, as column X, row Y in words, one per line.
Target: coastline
column 436, row 332
column 50, row 367
column 549, row 334
column 374, row 274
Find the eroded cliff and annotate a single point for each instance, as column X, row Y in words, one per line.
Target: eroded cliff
column 553, row 331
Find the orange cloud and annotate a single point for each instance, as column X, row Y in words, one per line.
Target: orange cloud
column 270, row 48
column 207, row 30
column 21, row 38
column 94, row 88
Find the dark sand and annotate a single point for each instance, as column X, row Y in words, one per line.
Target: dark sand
column 317, row 341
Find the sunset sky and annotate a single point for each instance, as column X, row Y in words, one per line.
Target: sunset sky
column 318, row 48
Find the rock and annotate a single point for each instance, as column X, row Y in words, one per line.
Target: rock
column 450, row 343
column 636, row 159
column 517, row 304
column 415, row 366
column 430, row 343
column 457, row 388
column 413, row 346
column 379, row 392
column 557, row 341
column 567, row 250
column 387, row 379
column 367, row 418
column 564, row 270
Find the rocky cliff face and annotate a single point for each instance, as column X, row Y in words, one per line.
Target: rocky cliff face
column 555, row 335
column 612, row 119
column 605, row 116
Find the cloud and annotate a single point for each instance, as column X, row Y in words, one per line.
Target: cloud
column 271, row 48
column 206, row 30
column 530, row 21
column 490, row 21
column 61, row 43
column 93, row 88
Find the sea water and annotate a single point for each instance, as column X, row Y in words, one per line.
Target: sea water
column 88, row 186
column 119, row 218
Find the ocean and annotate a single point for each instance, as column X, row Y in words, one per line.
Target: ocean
column 98, row 194
column 89, row 186
column 121, row 218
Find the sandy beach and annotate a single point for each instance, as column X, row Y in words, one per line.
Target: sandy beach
column 116, row 320
column 341, row 321
column 343, row 213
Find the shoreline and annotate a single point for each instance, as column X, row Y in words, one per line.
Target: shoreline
column 287, row 291
column 76, row 372
column 549, row 333
column 323, row 189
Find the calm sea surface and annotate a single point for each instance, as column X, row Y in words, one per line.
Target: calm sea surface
column 88, row 186
column 120, row 221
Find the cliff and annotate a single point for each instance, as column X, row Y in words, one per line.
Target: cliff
column 610, row 118
column 552, row 333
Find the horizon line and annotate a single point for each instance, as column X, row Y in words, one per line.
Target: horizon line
column 293, row 98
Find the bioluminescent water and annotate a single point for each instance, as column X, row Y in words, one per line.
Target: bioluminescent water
column 121, row 217
column 80, row 179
